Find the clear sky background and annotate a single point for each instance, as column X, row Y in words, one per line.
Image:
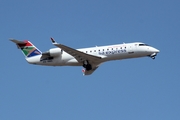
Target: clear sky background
column 134, row 89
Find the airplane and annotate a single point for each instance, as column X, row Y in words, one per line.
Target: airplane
column 90, row 58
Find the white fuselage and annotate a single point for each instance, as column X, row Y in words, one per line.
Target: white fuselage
column 107, row 53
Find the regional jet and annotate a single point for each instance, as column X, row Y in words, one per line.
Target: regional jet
column 89, row 58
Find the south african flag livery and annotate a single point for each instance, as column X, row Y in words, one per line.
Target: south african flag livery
column 28, row 49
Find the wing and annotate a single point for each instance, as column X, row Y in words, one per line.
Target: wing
column 81, row 57
column 78, row 55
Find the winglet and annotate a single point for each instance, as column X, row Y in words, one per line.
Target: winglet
column 53, row 41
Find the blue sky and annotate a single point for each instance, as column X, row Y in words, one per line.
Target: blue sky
column 138, row 89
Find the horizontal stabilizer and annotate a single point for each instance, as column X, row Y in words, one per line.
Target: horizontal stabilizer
column 17, row 41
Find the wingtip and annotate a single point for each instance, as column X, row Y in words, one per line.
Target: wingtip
column 53, row 41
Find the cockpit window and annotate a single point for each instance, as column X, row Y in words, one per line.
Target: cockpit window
column 143, row 45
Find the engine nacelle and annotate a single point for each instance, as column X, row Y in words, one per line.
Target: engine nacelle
column 53, row 52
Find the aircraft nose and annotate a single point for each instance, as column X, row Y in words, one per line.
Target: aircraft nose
column 156, row 50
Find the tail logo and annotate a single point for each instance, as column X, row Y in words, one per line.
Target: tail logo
column 29, row 49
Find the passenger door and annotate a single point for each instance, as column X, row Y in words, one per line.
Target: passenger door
column 130, row 49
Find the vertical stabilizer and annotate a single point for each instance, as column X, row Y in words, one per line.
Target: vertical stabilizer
column 27, row 48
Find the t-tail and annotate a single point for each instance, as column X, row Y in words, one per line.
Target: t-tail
column 27, row 48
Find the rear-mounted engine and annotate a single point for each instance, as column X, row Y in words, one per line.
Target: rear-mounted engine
column 53, row 52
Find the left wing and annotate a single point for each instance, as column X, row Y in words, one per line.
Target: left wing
column 78, row 55
column 81, row 57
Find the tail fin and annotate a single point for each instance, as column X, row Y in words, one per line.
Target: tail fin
column 27, row 48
